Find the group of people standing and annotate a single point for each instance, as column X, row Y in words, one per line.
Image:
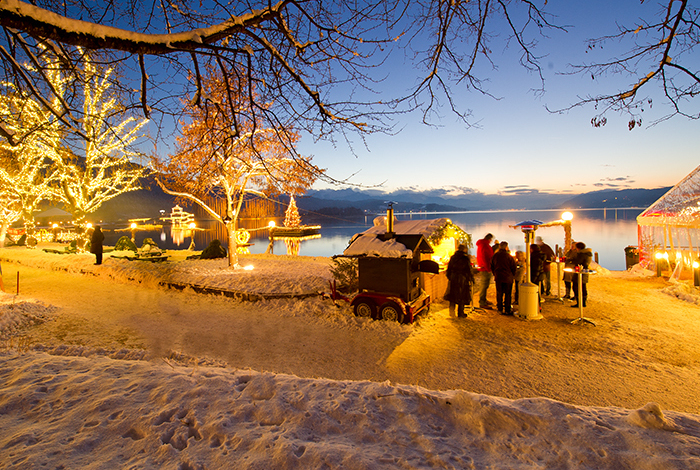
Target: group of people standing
column 494, row 261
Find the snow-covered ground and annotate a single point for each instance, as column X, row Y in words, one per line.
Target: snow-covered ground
column 66, row 401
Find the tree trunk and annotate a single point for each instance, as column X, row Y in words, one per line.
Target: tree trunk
column 3, row 233
column 231, row 228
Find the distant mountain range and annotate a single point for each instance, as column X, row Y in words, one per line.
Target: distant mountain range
column 443, row 201
column 352, row 202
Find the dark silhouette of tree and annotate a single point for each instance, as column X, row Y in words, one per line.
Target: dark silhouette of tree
column 659, row 56
column 318, row 62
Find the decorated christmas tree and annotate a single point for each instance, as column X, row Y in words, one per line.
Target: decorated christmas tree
column 291, row 216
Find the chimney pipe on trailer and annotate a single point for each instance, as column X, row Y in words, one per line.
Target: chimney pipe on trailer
column 390, row 220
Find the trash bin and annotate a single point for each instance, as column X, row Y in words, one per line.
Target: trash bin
column 631, row 256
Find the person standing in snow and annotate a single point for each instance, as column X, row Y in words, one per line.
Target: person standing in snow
column 521, row 265
column 536, row 268
column 569, row 265
column 460, row 278
column 548, row 257
column 96, row 244
column 503, row 268
column 484, row 254
column 582, row 262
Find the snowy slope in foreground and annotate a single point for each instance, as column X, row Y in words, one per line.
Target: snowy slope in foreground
column 102, row 413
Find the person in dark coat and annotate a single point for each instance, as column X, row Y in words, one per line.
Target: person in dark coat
column 503, row 268
column 569, row 265
column 460, row 278
column 583, row 259
column 536, row 265
column 96, row 243
column 520, row 267
column 549, row 257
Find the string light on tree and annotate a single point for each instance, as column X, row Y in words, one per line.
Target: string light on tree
column 291, row 215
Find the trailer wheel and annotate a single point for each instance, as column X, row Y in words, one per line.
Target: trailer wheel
column 366, row 309
column 391, row 311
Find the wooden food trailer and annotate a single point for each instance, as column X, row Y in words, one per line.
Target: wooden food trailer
column 389, row 273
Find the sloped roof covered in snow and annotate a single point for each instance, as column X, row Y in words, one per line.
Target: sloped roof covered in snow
column 680, row 206
column 425, row 227
column 411, row 236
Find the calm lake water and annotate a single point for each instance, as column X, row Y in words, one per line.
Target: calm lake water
column 606, row 231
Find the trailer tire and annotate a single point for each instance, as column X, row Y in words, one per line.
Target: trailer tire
column 365, row 308
column 391, row 311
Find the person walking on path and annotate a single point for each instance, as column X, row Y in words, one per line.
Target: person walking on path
column 503, row 268
column 548, row 258
column 96, row 244
column 460, row 278
column 582, row 262
column 484, row 254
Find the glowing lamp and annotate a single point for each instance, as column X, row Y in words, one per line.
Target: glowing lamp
column 271, row 224
column 192, row 225
column 133, row 225
column 568, row 216
column 89, row 225
column 696, row 265
column 55, row 225
column 248, row 268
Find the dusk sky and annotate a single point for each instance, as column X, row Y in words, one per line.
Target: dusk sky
column 517, row 144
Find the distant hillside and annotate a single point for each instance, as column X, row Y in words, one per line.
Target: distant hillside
column 620, row 198
column 348, row 203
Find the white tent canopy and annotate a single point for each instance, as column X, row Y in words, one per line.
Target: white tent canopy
column 672, row 223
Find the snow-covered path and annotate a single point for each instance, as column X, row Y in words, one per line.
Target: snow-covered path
column 629, row 359
column 431, row 401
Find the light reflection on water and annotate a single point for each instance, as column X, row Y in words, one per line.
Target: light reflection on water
column 605, row 231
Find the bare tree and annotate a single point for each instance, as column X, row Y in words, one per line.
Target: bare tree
column 659, row 56
column 318, row 62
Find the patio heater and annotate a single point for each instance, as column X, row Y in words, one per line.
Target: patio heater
column 529, row 299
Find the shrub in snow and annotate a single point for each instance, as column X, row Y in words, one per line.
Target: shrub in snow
column 213, row 251
column 125, row 244
column 149, row 242
column 344, row 271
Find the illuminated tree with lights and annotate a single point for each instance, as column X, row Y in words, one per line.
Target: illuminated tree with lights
column 105, row 166
column 10, row 209
column 291, row 215
column 46, row 158
column 213, row 160
column 22, row 187
column 26, row 169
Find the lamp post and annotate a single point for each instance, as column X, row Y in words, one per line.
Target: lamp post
column 567, row 217
column 660, row 259
column 696, row 273
column 270, row 246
